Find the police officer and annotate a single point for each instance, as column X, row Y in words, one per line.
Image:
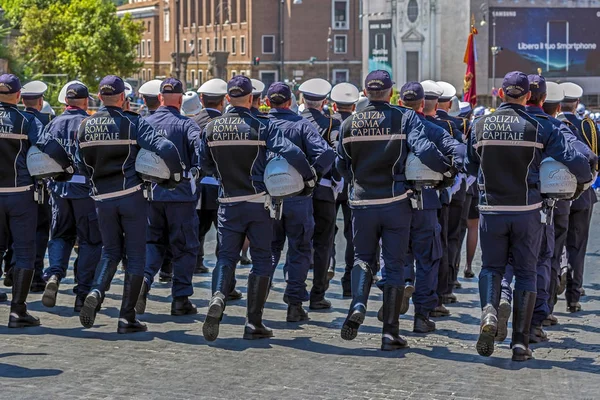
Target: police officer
column 257, row 90
column 18, row 210
column 510, row 204
column 234, row 146
column 373, row 146
column 297, row 222
column 314, row 93
column 109, row 141
column 191, row 105
column 581, row 209
column 73, row 210
column 425, row 240
column 172, row 219
column 150, row 91
column 344, row 96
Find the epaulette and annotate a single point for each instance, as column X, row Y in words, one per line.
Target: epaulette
column 542, row 116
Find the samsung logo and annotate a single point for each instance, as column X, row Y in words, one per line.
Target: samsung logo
column 509, row 14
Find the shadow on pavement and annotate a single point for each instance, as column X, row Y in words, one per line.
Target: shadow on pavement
column 16, row 371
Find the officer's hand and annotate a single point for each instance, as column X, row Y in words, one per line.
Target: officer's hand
column 173, row 181
column 448, row 179
column 581, row 187
column 66, row 175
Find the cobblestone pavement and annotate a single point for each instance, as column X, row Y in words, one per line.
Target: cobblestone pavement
column 61, row 360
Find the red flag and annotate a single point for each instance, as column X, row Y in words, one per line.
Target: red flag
column 470, row 87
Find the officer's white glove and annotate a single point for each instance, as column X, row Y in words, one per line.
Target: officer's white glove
column 457, row 183
column 338, row 186
column 470, row 180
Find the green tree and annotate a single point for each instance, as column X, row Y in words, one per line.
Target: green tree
column 15, row 9
column 83, row 39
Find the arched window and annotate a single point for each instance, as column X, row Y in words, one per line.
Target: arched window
column 412, row 11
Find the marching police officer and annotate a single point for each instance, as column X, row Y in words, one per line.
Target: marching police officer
column 18, row 132
column 373, row 145
column 172, row 219
column 425, row 239
column 510, row 204
column 581, row 209
column 314, row 93
column 109, row 142
column 297, row 222
column 257, row 90
column 150, row 91
column 234, row 147
column 73, row 210
column 344, row 96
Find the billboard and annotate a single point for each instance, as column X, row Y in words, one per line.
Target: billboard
column 380, row 45
column 562, row 42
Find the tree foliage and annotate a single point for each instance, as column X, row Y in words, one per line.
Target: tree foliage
column 81, row 38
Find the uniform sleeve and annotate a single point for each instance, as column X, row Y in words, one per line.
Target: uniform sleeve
column 342, row 163
column 320, row 155
column 193, row 137
column 148, row 139
column 557, row 147
column 45, row 140
column 207, row 164
column 579, row 146
column 277, row 143
column 451, row 148
column 472, row 161
column 420, row 145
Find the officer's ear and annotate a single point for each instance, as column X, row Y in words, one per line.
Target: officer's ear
column 501, row 93
column 527, row 97
column 223, row 101
column 161, row 99
column 335, row 107
column 422, row 106
column 353, row 107
column 558, row 109
column 269, row 103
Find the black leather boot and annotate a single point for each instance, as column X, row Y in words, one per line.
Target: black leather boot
column 131, row 292
column 183, row 306
column 296, row 313
column 221, row 281
column 422, row 324
column 523, row 306
column 392, row 302
column 79, row 300
column 489, row 292
column 258, row 290
column 503, row 317
column 51, row 291
column 19, row 317
column 361, row 278
column 105, row 271
column 140, row 305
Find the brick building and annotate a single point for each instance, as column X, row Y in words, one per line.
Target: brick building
column 314, row 37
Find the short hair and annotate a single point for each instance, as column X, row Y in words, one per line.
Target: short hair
column 30, row 102
column 112, row 99
column 414, row 104
column 569, row 106
column 212, row 101
column 550, row 108
column 536, row 98
column 75, row 102
column 256, row 97
column 313, row 103
column 430, row 105
column 378, row 95
column 513, row 100
column 152, row 102
column 345, row 107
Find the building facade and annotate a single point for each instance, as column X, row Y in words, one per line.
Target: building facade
column 288, row 40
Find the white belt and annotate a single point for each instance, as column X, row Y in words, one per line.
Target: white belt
column 253, row 198
column 77, row 179
column 117, row 194
column 326, row 182
column 209, row 180
column 17, row 189
column 377, row 202
column 531, row 207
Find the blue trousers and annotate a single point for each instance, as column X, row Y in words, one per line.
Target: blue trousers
column 18, row 218
column 390, row 224
column 425, row 248
column 297, row 225
column 577, row 240
column 241, row 220
column 561, row 227
column 172, row 226
column 123, row 223
column 74, row 219
column 543, row 269
column 516, row 234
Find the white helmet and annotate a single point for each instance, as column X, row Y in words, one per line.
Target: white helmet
column 47, row 109
column 556, row 181
column 40, row 165
column 151, row 167
column 420, row 174
column 191, row 104
column 281, row 179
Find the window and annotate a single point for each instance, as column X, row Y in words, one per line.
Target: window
column 201, row 13
column 243, row 13
column 192, row 13
column 216, row 44
column 233, row 11
column 193, row 77
column 143, row 75
column 224, row 47
column 412, row 66
column 148, row 29
column 184, row 48
column 233, row 45
column 167, row 27
column 137, row 50
column 341, row 17
column 149, row 52
column 412, row 10
column 268, row 44
column 233, row 73
column 143, row 47
column 243, row 45
column 207, row 45
column 185, row 13
column 268, row 77
column 149, row 74
column 199, row 46
column 340, row 44
column 200, row 77
column 340, row 76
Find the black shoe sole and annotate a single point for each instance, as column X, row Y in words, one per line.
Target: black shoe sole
column 351, row 325
column 124, row 331
column 23, row 324
column 87, row 316
column 521, row 357
column 503, row 316
column 50, row 293
column 210, row 328
column 302, row 318
column 485, row 343
column 393, row 347
column 255, row 336
column 319, row 307
column 408, row 292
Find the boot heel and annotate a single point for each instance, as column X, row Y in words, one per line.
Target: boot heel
column 210, row 328
column 351, row 325
column 87, row 316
